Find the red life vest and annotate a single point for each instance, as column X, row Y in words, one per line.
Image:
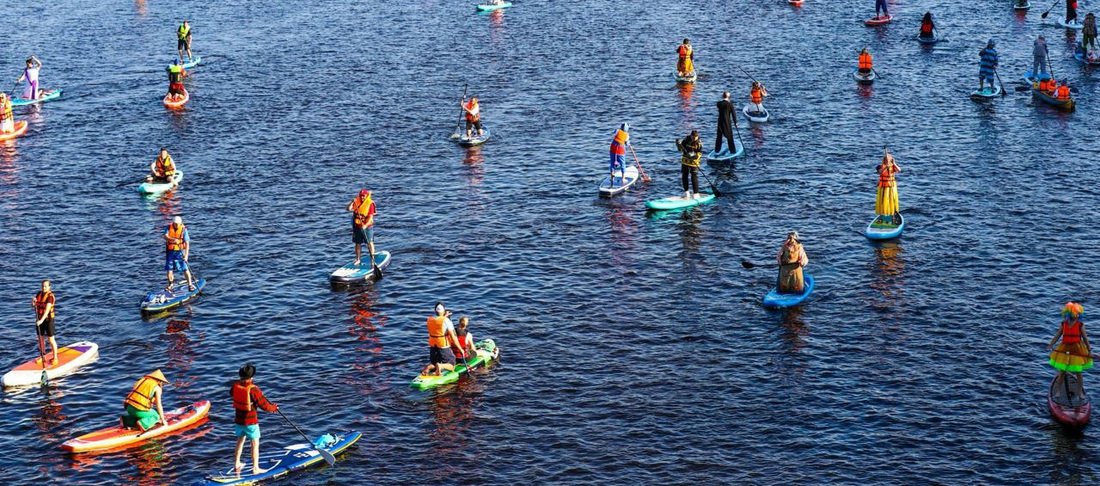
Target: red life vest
column 684, row 51
column 473, row 111
column 465, row 340
column 618, row 144
column 1071, row 333
column 40, row 302
column 1062, row 92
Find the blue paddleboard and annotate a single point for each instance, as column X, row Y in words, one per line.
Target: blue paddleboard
column 163, row 300
column 776, row 300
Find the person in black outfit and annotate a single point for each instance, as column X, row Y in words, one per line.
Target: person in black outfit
column 691, row 148
column 726, row 122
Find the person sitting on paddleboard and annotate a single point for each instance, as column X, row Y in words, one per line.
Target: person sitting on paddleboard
column 1074, row 354
column 177, row 250
column 472, row 109
column 139, row 403
column 691, row 152
column 685, row 63
column 880, row 6
column 726, row 121
column 30, row 74
column 362, row 225
column 791, row 258
column 163, row 168
column 886, row 199
column 927, row 27
column 619, row 142
column 1047, row 85
column 756, row 95
column 1062, row 91
column 988, row 65
column 1039, row 55
column 441, row 333
column 247, row 399
column 183, row 40
column 176, row 73
column 463, row 347
column 7, row 120
column 866, row 62
column 43, row 303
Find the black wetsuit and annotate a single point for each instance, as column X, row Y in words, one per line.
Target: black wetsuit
column 726, row 122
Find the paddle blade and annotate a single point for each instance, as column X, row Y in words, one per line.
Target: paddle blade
column 45, row 379
column 747, row 264
column 378, row 272
column 329, row 458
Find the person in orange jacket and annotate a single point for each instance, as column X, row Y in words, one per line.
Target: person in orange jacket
column 756, row 96
column 685, row 64
column 247, row 399
column 1062, row 91
column 472, row 109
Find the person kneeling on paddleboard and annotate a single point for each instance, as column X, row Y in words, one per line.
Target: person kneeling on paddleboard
column 1062, row 91
column 247, row 399
column 685, row 64
column 1074, row 354
column 441, row 333
column 988, row 65
column 43, row 303
column 177, row 251
column 472, row 109
column 756, row 95
column 619, row 142
column 463, row 347
column 691, row 150
column 163, row 168
column 176, row 74
column 866, row 62
column 7, row 121
column 792, row 257
column 139, row 403
column 362, row 225
column 927, row 27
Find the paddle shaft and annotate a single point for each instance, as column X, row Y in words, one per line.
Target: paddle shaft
column 1051, row 8
column 645, row 177
column 747, row 73
column 325, row 454
column 460, row 110
column 748, row 264
column 998, row 76
column 713, row 188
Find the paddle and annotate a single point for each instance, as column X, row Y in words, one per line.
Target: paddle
column 645, row 177
column 45, row 378
column 737, row 130
column 460, row 111
column 1051, row 8
column 329, row 458
column 748, row 264
column 1003, row 92
column 877, row 75
column 377, row 269
column 713, row 187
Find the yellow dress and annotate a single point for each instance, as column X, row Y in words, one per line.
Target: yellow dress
column 886, row 198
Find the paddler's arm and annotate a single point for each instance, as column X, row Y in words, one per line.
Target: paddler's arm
column 262, row 401
column 1057, row 336
column 160, row 407
column 186, row 245
column 49, row 307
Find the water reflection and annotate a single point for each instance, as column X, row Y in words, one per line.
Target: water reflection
column 887, row 275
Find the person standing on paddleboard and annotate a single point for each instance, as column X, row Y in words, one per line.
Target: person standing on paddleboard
column 1039, row 55
column 685, row 63
column 988, row 65
column 791, row 258
column 886, row 199
column 472, row 109
column 177, row 251
column 183, row 40
column 247, row 399
column 1074, row 354
column 1088, row 31
column 30, row 74
column 163, row 168
column 441, row 333
column 7, row 120
column 43, row 303
column 1071, row 11
column 139, row 403
column 880, row 6
column 362, row 225
column 726, row 121
column 619, row 142
column 691, row 152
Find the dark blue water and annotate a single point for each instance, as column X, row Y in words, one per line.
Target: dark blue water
column 634, row 347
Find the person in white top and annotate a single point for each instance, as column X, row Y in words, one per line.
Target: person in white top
column 30, row 74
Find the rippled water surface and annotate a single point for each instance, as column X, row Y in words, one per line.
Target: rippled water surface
column 634, row 347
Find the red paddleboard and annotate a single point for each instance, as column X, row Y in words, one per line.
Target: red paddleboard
column 176, row 103
column 878, row 20
column 796, row 3
column 69, row 359
column 20, row 129
column 117, row 437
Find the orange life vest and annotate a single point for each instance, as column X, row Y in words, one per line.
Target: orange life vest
column 865, row 60
column 364, row 209
column 166, row 166
column 926, row 28
column 473, row 111
column 1046, row 85
column 242, row 397
column 40, row 302
column 684, row 51
column 618, row 144
column 141, row 397
column 1062, row 92
column 756, row 95
column 1071, row 334
column 175, row 237
column 5, row 110
column 437, row 338
column 886, row 175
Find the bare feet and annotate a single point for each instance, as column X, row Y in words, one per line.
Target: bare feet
column 237, row 468
column 258, row 470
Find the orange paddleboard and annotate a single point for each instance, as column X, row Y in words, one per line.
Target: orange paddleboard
column 69, row 359
column 116, row 437
column 175, row 104
column 20, row 129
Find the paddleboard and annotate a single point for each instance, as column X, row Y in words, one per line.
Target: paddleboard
column 878, row 20
column 1069, row 409
column 862, row 78
column 879, row 230
column 363, row 272
column 725, row 154
column 175, row 104
column 490, row 7
column 928, row 40
column 284, row 461
column 187, row 64
column 796, row 3
column 677, row 202
column 474, row 140
column 756, row 116
column 685, row 79
column 116, row 436
column 1075, row 25
column 1063, row 105
column 986, row 93
column 1079, row 55
column 1030, row 78
column 163, row 300
column 776, row 300
column 159, row 187
column 630, row 176
column 1020, row 8
column 487, row 351
column 49, row 96
column 69, row 358
column 20, row 128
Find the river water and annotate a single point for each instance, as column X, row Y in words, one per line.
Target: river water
column 634, row 346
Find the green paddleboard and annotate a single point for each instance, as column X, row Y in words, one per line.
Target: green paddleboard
column 487, row 351
column 677, row 202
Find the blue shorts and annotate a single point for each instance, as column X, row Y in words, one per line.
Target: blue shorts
column 173, row 261
column 250, row 431
column 362, row 235
column 617, row 162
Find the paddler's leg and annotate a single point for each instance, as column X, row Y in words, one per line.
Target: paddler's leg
column 370, row 247
column 50, row 332
column 480, row 130
column 684, row 179
column 256, row 469
column 1080, row 384
column 469, row 128
column 189, row 56
column 237, row 464
column 168, row 265
column 718, row 140
column 695, row 181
